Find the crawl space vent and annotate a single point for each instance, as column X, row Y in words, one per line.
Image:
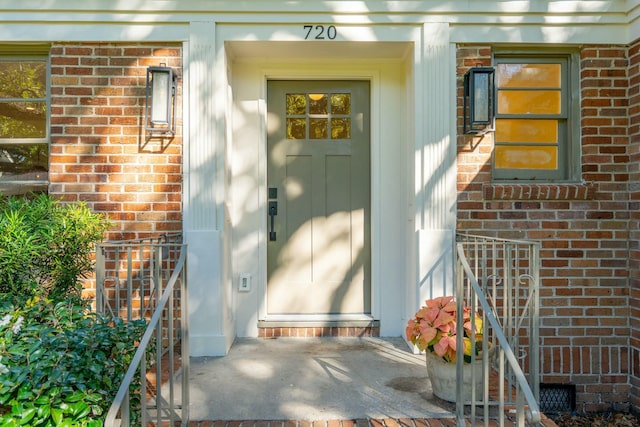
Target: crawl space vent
column 557, row 398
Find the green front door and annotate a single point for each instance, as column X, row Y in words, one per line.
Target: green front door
column 318, row 239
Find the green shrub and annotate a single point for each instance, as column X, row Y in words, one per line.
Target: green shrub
column 45, row 246
column 61, row 365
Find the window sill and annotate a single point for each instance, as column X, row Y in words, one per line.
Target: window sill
column 533, row 191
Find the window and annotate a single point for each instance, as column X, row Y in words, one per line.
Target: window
column 318, row 116
column 24, row 122
column 537, row 121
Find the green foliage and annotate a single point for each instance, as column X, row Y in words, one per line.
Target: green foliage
column 61, row 365
column 45, row 246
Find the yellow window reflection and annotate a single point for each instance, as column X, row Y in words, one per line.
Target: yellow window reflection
column 296, row 128
column 340, row 128
column 296, row 104
column 529, row 102
column 318, row 128
column 318, row 103
column 341, row 103
column 318, row 115
column 526, row 130
column 526, row 157
column 529, row 75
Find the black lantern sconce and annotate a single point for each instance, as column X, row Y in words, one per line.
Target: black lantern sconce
column 479, row 100
column 160, row 101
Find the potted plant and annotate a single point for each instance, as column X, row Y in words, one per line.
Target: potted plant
column 433, row 330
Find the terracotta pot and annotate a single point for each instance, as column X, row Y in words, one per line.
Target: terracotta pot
column 443, row 378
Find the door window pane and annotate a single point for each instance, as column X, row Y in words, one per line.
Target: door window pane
column 318, row 115
column 341, row 128
column 318, row 128
column 296, row 104
column 341, row 103
column 296, row 128
column 318, row 103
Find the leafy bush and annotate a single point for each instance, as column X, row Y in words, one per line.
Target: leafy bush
column 45, row 246
column 61, row 365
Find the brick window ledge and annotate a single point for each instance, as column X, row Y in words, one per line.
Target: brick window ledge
column 531, row 191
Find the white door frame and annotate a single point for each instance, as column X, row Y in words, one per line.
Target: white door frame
column 412, row 166
column 370, row 70
column 307, row 75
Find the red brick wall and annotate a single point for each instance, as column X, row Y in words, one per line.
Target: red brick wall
column 634, row 210
column 583, row 228
column 99, row 151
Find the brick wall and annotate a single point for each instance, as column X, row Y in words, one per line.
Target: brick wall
column 99, row 151
column 634, row 210
column 583, row 228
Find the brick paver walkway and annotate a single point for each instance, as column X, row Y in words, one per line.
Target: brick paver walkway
column 386, row 422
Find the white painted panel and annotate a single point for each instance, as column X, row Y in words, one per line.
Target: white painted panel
column 91, row 32
column 206, row 314
column 435, row 273
column 542, row 33
column 206, row 130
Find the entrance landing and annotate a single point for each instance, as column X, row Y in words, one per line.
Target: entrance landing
column 314, row 379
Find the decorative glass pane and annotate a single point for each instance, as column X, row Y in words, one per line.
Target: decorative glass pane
column 341, row 103
column 529, row 75
column 526, row 157
column 526, row 130
column 318, row 103
column 24, row 162
column 296, row 128
column 296, row 104
column 529, row 102
column 23, row 120
column 318, row 128
column 340, row 128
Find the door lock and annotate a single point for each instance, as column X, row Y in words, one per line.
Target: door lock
column 273, row 211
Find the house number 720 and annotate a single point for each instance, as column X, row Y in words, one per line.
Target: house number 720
column 320, row 32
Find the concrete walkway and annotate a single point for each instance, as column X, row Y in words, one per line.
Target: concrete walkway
column 314, row 379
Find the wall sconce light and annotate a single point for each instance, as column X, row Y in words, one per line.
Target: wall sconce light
column 479, row 99
column 160, row 101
